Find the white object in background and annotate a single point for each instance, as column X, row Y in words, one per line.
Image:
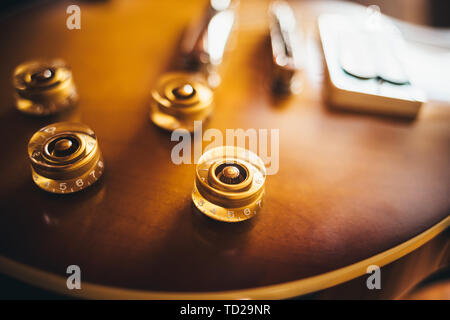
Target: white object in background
column 363, row 66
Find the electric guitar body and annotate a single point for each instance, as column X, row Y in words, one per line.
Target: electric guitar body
column 351, row 190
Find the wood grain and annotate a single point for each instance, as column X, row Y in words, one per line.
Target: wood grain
column 349, row 186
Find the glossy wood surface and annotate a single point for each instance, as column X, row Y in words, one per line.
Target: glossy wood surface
column 349, row 186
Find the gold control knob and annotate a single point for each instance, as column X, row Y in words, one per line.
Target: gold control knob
column 178, row 100
column 65, row 157
column 229, row 184
column 44, row 87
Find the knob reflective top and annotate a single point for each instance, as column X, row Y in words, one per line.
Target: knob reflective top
column 44, row 87
column 65, row 157
column 179, row 99
column 229, row 184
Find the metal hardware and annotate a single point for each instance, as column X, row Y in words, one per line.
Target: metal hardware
column 44, row 87
column 229, row 184
column 65, row 157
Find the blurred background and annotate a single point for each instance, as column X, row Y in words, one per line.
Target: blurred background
column 434, row 13
column 425, row 12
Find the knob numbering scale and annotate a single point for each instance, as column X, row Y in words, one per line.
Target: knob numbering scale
column 229, row 184
column 65, row 157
